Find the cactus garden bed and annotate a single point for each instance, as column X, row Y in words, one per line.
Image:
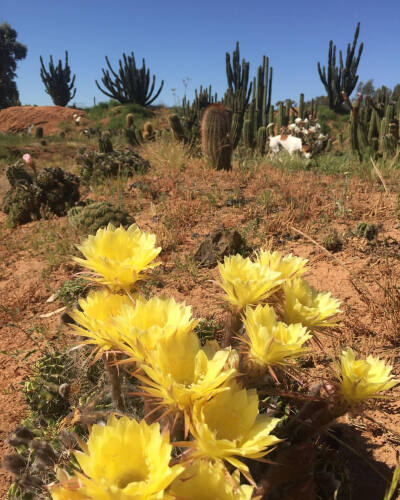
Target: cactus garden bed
column 286, row 208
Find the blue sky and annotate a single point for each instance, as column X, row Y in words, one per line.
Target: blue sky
column 184, row 39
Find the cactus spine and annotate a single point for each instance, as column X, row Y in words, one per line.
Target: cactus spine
column 215, row 136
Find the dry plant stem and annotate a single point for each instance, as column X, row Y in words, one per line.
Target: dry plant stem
column 115, row 383
column 233, row 324
column 379, row 174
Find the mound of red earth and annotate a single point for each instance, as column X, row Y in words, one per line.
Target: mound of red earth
column 18, row 118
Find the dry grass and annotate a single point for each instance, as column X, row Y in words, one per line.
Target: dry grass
column 166, row 155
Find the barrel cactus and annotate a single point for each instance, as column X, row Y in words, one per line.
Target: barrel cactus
column 216, row 143
column 148, row 132
column 129, row 120
column 177, row 128
column 97, row 215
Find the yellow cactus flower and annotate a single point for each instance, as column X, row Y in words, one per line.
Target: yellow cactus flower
column 289, row 265
column 303, row 304
column 204, row 480
column 94, row 320
column 124, row 460
column 270, row 341
column 363, row 378
column 178, row 372
column 117, row 256
column 141, row 327
column 229, row 426
column 245, row 282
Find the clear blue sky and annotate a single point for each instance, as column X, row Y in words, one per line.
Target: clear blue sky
column 182, row 39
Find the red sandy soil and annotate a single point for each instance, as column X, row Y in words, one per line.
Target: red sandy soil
column 16, row 119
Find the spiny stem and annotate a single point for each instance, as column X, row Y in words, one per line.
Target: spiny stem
column 115, row 383
column 233, row 324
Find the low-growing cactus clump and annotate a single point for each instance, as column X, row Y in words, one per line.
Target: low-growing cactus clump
column 97, row 215
column 99, row 166
column 52, row 191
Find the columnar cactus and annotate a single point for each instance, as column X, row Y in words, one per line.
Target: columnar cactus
column 281, row 118
column 57, row 81
column 248, row 134
column 131, row 84
column 263, row 89
column 237, row 74
column 215, row 136
column 261, row 140
column 343, row 78
column 301, row 107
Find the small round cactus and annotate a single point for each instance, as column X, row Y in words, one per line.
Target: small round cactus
column 148, row 132
column 129, row 120
column 97, row 215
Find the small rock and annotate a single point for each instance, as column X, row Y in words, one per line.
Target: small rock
column 217, row 245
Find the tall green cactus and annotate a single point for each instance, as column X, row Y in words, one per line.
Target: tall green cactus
column 281, row 117
column 131, row 84
column 57, row 81
column 236, row 103
column 343, row 78
column 288, row 108
column 271, row 119
column 237, row 74
column 261, row 140
column 248, row 134
column 215, row 136
column 301, row 107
